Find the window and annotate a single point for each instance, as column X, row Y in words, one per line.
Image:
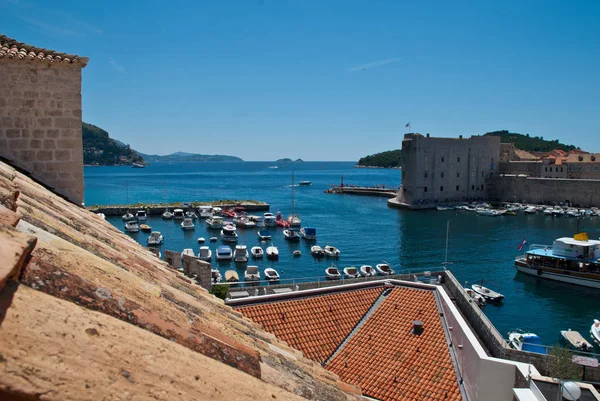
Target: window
column 550, row 169
column 457, row 175
column 442, row 174
column 442, row 159
column 424, row 189
column 458, row 159
column 426, row 174
column 442, row 189
column 546, row 169
column 482, row 187
column 472, row 187
column 457, row 187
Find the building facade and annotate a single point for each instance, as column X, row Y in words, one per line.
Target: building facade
column 584, row 166
column 437, row 171
column 40, row 115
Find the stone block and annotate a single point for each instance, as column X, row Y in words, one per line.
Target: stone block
column 52, row 133
column 49, row 144
column 13, row 133
column 27, row 156
column 51, row 176
column 17, row 144
column 35, row 144
column 6, row 122
column 44, row 122
column 44, row 155
column 38, row 133
column 20, row 122
column 62, row 155
column 31, row 94
column 28, row 103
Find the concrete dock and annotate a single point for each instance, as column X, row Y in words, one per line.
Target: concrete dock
column 366, row 191
column 156, row 209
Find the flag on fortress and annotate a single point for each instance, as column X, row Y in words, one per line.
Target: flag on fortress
column 523, row 243
column 407, row 125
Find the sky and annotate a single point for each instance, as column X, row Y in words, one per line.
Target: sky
column 324, row 80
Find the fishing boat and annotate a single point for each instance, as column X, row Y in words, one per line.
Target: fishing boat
column 293, row 219
column 523, row 341
column 187, row 224
column 141, row 215
column 304, row 183
column 128, row 216
column 145, row 227
column 351, row 272
column 188, row 252
column 205, row 254
column 257, row 252
column 317, row 251
column 131, row 226
column 240, row 255
column 367, row 271
column 205, row 212
column 297, row 253
column 214, row 222
column 263, row 235
column 479, row 299
column 155, row 238
column 224, row 253
column 291, row 235
column 384, row 269
column 167, row 215
column 228, row 234
column 333, row 273
column 595, row 331
column 272, row 252
column 331, row 251
column 309, row 234
column 270, row 219
column 178, row 214
column 488, row 294
column 137, row 165
column 271, row 274
column 215, row 276
column 231, row 276
column 252, row 273
column 569, row 260
column 576, row 340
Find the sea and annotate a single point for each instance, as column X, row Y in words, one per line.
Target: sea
column 365, row 230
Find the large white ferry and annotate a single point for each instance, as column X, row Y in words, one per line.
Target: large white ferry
column 570, row 260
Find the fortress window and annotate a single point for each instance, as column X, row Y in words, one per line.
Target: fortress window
column 550, row 169
column 457, row 175
column 458, row 159
column 482, row 187
column 457, row 187
column 442, row 159
column 426, row 174
column 473, row 187
column 424, row 189
column 546, row 169
column 441, row 189
column 442, row 174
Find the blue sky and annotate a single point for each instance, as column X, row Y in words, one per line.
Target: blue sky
column 264, row 79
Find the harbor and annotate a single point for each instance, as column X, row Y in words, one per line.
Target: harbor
column 157, row 209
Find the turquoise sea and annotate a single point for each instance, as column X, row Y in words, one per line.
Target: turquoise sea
column 366, row 231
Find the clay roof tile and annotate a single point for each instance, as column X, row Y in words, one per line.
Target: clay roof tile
column 16, row 50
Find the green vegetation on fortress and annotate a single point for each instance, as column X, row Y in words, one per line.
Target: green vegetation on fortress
column 531, row 143
column 100, row 149
column 389, row 159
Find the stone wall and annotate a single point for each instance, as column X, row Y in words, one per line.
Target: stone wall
column 40, row 122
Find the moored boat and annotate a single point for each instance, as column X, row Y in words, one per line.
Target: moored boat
column 213, row 239
column 488, row 294
column 479, row 299
column 595, row 331
column 128, row 216
column 297, row 253
column 155, row 238
column 252, row 273
column 187, row 224
column 205, row 254
column 215, row 276
column 308, row 233
column 304, row 183
column 231, row 276
column 191, row 215
column 270, row 219
column 178, row 214
column 145, row 227
column 205, row 212
column 256, row 252
column 531, row 210
column 132, row 226
column 317, row 251
column 188, row 252
column 263, row 235
column 523, row 341
column 201, row 240
column 272, row 252
column 351, row 272
column 291, row 235
column 331, row 251
column 228, row 234
column 214, row 222
column 271, row 274
column 333, row 273
column 240, row 255
column 167, row 215
column 141, row 215
column 367, row 271
column 384, row 269
column 576, row 340
column 224, row 253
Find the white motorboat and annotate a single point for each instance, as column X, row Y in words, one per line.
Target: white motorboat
column 189, row 252
column 205, row 212
column 201, row 240
column 558, row 211
column 167, row 215
column 530, row 210
column 293, row 219
column 213, row 239
column 191, row 215
column 333, row 273
column 155, row 238
column 259, row 222
column 244, row 222
column 384, row 269
column 576, row 340
column 351, row 272
column 228, row 234
column 231, row 276
column 271, row 274
column 304, row 183
column 291, row 235
column 331, row 251
column 240, row 255
column 145, row 227
column 489, row 212
column 257, row 252
column 272, row 252
column 523, row 341
column 205, row 254
column 309, row 234
column 488, row 294
column 217, row 211
column 216, row 276
column 252, row 273
column 297, row 253
column 366, row 271
column 187, row 224
column 141, row 215
column 270, row 219
column 478, row 298
column 214, row 222
column 132, row 226
column 263, row 235
column 178, row 214
column 224, row 253
column 128, row 216
column 317, row 251
column 595, row 331
column 548, row 211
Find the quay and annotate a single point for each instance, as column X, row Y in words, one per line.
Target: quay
column 157, row 209
column 367, row 191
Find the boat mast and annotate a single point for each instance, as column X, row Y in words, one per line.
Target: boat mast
column 127, row 190
column 292, row 193
column 447, row 235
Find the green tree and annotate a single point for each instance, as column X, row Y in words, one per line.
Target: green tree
column 220, row 291
column 560, row 364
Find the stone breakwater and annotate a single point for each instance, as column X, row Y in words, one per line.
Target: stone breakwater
column 156, row 209
column 368, row 191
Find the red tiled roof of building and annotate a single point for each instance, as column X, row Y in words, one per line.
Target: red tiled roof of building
column 315, row 325
column 10, row 48
column 388, row 362
column 524, row 155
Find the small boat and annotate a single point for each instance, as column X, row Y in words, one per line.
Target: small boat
column 201, row 240
column 214, row 222
column 132, row 226
column 213, row 239
column 137, row 165
column 189, row 252
column 351, row 272
column 128, row 216
column 155, row 238
column 217, row 211
column 548, row 211
column 271, row 274
column 558, row 211
column 291, row 235
column 191, row 215
column 297, row 253
column 244, row 222
column 252, row 273
column 187, row 224
column 595, row 331
column 489, row 212
column 530, row 210
column 317, row 251
column 205, row 212
column 270, row 219
column 145, row 227
column 488, row 294
column 257, row 252
column 167, row 215
column 263, row 235
column 530, row 342
column 304, row 183
column 309, row 234
column 215, row 276
column 240, row 254
column 576, row 340
column 331, row 251
column 384, row 269
column 228, row 234
column 333, row 273
column 231, row 276
column 272, row 252
column 293, row 219
column 141, row 215
column 205, row 254
column 178, row 214
column 366, row 271
column 478, row 298
column 259, row 221
column 224, row 253
column 272, row 167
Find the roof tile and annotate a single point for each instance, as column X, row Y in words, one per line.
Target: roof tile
column 12, row 49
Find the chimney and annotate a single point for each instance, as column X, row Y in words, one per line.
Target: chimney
column 417, row 327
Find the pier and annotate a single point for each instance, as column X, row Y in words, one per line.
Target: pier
column 157, row 209
column 366, row 191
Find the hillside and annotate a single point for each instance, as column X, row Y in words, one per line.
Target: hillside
column 190, row 157
column 529, row 143
column 100, row 149
column 388, row 159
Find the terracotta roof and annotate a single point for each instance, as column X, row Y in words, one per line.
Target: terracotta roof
column 315, row 325
column 583, row 158
column 524, row 155
column 10, row 48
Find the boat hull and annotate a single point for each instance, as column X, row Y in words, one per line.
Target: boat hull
column 553, row 274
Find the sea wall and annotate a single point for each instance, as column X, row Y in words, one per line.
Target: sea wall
column 157, row 210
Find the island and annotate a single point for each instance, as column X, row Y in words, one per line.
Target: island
column 387, row 159
column 288, row 160
column 190, row 157
column 99, row 149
